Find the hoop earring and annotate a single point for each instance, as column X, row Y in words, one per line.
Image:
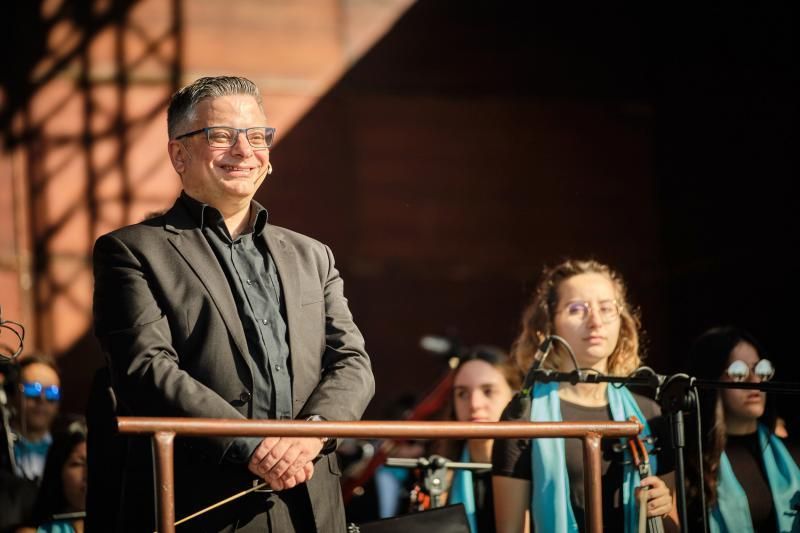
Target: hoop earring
column 269, row 168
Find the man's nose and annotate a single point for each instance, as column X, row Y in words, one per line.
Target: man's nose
column 242, row 146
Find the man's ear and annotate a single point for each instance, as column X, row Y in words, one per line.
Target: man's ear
column 179, row 155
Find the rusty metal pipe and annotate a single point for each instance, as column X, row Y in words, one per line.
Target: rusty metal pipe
column 205, row 427
column 165, row 429
column 166, row 481
column 592, row 483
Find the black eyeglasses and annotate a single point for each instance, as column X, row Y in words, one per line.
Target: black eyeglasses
column 739, row 370
column 259, row 137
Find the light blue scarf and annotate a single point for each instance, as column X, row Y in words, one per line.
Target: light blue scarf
column 550, row 500
column 732, row 512
column 461, row 491
column 57, row 526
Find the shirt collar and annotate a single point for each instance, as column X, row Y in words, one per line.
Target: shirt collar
column 205, row 214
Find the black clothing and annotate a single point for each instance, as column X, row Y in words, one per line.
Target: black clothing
column 256, row 289
column 744, row 453
column 17, row 496
column 512, row 457
column 484, row 501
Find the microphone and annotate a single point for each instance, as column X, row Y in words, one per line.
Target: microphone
column 538, row 360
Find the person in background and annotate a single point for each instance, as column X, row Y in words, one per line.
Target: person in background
column 751, row 480
column 39, row 398
column 483, row 384
column 61, row 502
column 540, row 481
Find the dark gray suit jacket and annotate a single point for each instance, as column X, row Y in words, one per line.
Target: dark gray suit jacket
column 167, row 320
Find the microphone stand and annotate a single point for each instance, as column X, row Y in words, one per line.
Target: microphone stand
column 674, row 393
column 435, row 469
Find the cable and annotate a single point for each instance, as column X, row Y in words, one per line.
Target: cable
column 19, row 332
column 698, row 430
column 566, row 345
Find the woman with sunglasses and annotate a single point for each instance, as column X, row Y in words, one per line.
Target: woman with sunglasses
column 751, row 481
column 539, row 482
column 39, row 397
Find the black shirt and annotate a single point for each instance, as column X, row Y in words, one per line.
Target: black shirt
column 512, row 457
column 744, row 454
column 256, row 289
column 484, row 500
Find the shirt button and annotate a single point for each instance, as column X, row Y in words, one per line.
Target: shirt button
column 245, row 397
column 278, row 368
column 249, row 282
column 264, row 321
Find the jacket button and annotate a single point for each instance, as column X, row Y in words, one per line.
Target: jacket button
column 245, row 397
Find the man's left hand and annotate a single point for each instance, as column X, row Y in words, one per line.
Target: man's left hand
column 284, row 462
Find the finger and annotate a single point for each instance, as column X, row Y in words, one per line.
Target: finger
column 309, row 470
column 659, row 507
column 290, row 483
column 275, row 484
column 657, row 511
column 296, row 479
column 263, row 449
column 281, row 469
column 653, row 482
column 308, row 449
column 274, row 456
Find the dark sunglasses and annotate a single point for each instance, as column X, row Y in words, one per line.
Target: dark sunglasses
column 34, row 389
column 739, row 370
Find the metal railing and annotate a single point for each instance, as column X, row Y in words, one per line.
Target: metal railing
column 164, row 430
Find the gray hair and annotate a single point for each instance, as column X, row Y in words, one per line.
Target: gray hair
column 184, row 102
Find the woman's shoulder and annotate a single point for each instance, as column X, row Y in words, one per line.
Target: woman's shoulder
column 649, row 407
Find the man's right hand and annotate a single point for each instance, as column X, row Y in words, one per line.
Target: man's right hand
column 285, row 462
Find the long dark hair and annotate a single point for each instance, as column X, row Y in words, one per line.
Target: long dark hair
column 708, row 359
column 51, row 499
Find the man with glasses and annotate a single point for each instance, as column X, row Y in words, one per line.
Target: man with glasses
column 210, row 311
column 39, row 397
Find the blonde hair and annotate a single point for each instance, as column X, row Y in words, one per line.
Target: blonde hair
column 537, row 319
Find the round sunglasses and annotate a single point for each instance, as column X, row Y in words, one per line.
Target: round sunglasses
column 739, row 370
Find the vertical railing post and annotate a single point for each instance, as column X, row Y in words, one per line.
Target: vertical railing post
column 592, row 479
column 165, row 479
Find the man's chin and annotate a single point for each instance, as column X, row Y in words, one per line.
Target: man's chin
column 243, row 189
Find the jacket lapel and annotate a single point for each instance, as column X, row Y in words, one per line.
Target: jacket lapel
column 191, row 245
column 285, row 264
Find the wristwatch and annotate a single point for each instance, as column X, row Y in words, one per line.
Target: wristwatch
column 317, row 418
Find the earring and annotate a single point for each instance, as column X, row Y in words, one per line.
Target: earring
column 269, row 168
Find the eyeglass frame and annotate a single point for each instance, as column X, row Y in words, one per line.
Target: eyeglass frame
column 238, row 131
column 751, row 370
column 34, row 390
column 588, row 305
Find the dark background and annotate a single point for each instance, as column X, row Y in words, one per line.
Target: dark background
column 479, row 141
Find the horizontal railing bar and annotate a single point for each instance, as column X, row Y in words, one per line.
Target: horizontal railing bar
column 199, row 427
